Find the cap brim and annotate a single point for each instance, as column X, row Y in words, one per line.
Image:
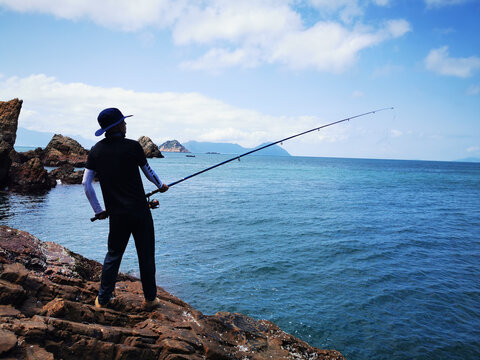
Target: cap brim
column 101, row 131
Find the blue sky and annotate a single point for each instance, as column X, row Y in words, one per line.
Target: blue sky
column 249, row 72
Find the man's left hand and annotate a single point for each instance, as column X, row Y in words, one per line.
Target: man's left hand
column 164, row 188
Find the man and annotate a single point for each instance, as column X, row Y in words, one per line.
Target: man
column 115, row 160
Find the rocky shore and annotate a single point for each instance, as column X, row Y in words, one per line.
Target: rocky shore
column 25, row 172
column 46, row 312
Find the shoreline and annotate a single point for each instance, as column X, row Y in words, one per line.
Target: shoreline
column 47, row 301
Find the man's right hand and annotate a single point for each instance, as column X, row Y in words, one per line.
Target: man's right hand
column 101, row 216
column 164, row 188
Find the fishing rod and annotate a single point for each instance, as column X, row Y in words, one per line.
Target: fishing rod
column 261, row 148
column 153, row 204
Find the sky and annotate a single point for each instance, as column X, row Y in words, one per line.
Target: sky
column 250, row 72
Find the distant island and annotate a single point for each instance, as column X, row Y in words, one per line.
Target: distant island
column 31, row 138
column 173, row 146
column 228, row 148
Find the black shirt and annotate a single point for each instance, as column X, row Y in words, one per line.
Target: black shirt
column 115, row 161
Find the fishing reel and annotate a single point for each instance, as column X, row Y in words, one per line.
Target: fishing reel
column 153, row 204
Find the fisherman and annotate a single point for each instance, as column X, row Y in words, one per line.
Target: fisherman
column 115, row 160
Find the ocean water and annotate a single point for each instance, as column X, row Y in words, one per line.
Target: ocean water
column 378, row 259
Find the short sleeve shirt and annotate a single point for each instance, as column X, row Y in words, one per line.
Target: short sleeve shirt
column 115, row 161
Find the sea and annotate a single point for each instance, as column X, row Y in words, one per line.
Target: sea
column 378, row 259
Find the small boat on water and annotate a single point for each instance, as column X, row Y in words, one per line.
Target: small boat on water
column 190, row 155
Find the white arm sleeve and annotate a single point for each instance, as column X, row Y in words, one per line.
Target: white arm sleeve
column 150, row 174
column 87, row 181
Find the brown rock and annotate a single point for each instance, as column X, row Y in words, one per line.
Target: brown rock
column 151, row 150
column 7, row 341
column 67, row 174
column 48, row 293
column 30, row 177
column 64, row 150
column 9, row 113
column 36, row 352
column 21, row 157
column 9, row 311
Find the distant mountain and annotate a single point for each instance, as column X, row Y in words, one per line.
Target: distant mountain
column 173, row 146
column 228, row 148
column 469, row 159
column 33, row 138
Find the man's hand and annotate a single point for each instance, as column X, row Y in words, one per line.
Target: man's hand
column 101, row 216
column 164, row 188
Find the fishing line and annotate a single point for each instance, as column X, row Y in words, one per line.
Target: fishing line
column 266, row 146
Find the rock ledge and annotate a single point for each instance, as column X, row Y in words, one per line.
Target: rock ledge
column 46, row 312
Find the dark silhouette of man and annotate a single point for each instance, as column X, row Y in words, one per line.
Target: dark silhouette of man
column 116, row 160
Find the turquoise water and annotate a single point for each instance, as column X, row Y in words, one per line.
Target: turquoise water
column 378, row 259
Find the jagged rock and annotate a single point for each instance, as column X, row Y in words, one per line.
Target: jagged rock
column 151, row 150
column 64, row 150
column 21, row 157
column 67, row 174
column 47, row 312
column 9, row 113
column 30, row 177
column 173, row 146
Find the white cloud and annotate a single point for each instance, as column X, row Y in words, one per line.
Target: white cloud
column 473, row 149
column 326, row 46
column 398, row 27
column 216, row 60
column 245, row 33
column 473, row 90
column 439, row 61
column 357, row 94
column 347, row 9
column 124, row 15
column 53, row 106
column 396, row 133
column 235, row 21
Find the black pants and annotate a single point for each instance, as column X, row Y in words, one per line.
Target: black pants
column 140, row 225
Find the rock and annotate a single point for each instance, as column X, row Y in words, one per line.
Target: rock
column 67, row 174
column 30, row 177
column 7, row 341
column 173, row 146
column 24, row 172
column 151, row 150
column 27, row 174
column 50, row 315
column 35, row 352
column 21, row 157
column 64, row 150
column 5, row 162
column 9, row 113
